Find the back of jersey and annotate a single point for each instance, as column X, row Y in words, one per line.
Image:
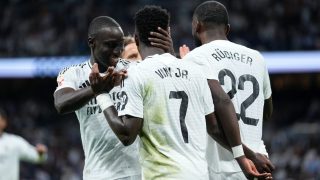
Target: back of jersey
column 244, row 77
column 171, row 97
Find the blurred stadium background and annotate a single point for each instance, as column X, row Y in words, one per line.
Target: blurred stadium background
column 39, row 36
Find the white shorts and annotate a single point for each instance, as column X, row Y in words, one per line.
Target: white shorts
column 227, row 176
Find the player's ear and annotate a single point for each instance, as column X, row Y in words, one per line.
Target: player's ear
column 199, row 26
column 91, row 42
column 227, row 29
column 195, row 26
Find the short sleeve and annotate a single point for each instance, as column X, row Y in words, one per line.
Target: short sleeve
column 266, row 84
column 132, row 101
column 206, row 63
column 66, row 78
column 207, row 98
column 27, row 152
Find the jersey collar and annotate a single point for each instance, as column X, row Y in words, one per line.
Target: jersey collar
column 89, row 64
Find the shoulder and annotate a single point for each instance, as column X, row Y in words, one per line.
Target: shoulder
column 134, row 73
column 73, row 72
column 14, row 139
column 198, row 51
column 122, row 64
column 255, row 54
column 199, row 54
column 249, row 51
column 74, row 68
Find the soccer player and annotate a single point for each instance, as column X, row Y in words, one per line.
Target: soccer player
column 165, row 102
column 105, row 156
column 130, row 51
column 243, row 74
column 160, row 38
column 14, row 148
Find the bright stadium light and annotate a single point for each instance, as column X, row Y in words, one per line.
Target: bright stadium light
column 277, row 62
column 293, row 62
column 36, row 66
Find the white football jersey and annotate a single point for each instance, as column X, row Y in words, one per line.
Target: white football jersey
column 14, row 148
column 243, row 74
column 105, row 156
column 171, row 97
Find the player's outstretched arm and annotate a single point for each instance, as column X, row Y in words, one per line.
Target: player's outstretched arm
column 29, row 153
column 162, row 39
column 68, row 100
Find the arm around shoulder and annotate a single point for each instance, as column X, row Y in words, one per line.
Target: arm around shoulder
column 29, row 153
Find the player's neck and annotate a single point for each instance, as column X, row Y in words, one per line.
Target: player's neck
column 209, row 36
column 149, row 51
column 92, row 61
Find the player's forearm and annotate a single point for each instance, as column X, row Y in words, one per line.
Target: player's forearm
column 215, row 131
column 221, row 139
column 31, row 155
column 119, row 126
column 126, row 129
column 228, row 120
column 218, row 135
column 72, row 100
column 225, row 113
column 248, row 152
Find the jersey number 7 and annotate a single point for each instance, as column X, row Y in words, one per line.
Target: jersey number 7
column 183, row 111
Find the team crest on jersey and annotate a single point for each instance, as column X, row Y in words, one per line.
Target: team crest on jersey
column 122, row 64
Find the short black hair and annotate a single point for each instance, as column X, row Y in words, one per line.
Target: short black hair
column 212, row 13
column 99, row 23
column 148, row 19
column 3, row 114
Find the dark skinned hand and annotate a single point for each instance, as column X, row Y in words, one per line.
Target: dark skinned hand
column 162, row 39
column 104, row 83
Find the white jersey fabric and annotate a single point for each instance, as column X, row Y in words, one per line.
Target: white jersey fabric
column 171, row 97
column 243, row 74
column 105, row 156
column 14, row 148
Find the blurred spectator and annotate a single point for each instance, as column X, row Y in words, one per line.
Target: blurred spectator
column 43, row 27
column 37, row 121
column 14, row 149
